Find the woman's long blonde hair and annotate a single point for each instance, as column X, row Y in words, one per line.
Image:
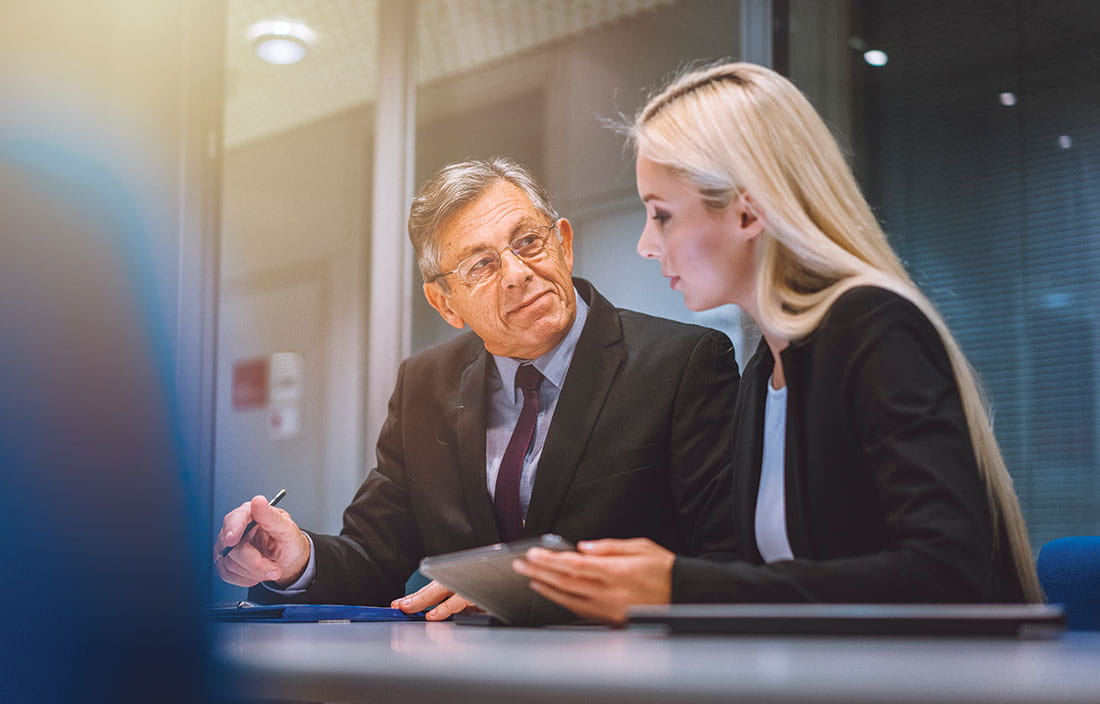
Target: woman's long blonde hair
column 739, row 127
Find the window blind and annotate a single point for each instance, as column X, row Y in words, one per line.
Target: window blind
column 993, row 202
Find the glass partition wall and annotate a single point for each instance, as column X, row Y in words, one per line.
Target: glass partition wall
column 295, row 222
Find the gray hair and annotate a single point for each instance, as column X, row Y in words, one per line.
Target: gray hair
column 455, row 186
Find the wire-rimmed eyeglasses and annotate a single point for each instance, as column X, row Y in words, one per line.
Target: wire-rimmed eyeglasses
column 484, row 265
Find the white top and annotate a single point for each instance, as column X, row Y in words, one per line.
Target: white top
column 771, row 506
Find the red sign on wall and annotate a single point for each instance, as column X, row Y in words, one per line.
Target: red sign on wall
column 250, row 384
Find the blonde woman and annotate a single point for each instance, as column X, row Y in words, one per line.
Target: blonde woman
column 865, row 466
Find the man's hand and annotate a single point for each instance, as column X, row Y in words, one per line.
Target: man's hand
column 446, row 602
column 603, row 578
column 275, row 550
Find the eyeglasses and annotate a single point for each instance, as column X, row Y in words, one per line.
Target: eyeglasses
column 482, row 266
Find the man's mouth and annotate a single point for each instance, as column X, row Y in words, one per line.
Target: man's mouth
column 528, row 303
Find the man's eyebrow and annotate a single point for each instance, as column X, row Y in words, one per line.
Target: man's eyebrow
column 524, row 226
column 472, row 249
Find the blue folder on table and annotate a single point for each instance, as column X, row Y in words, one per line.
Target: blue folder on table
column 305, row 613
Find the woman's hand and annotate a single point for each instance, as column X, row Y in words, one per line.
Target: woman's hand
column 603, row 577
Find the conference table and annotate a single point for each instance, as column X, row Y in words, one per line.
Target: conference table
column 417, row 662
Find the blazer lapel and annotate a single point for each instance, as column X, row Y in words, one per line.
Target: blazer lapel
column 596, row 361
column 470, row 431
column 798, row 535
column 749, row 448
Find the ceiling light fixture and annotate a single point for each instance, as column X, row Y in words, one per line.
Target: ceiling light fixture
column 875, row 57
column 280, row 41
column 1007, row 99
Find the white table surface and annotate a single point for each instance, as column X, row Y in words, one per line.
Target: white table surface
column 445, row 662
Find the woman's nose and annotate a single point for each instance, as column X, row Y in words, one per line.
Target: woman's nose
column 647, row 248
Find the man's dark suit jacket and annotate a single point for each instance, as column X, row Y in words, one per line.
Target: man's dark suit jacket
column 639, row 446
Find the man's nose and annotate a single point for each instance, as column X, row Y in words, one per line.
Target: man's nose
column 512, row 268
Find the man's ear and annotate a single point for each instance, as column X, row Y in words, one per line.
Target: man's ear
column 565, row 229
column 442, row 304
column 747, row 215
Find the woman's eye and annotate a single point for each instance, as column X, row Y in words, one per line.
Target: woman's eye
column 660, row 216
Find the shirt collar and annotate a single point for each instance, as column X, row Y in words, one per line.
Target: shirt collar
column 554, row 364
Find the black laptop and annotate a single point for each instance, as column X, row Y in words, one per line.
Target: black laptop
column 1006, row 620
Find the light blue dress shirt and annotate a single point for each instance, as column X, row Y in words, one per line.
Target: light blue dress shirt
column 505, row 402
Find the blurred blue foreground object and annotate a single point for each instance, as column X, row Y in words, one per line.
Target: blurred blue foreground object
column 103, row 554
column 99, row 585
column 1069, row 570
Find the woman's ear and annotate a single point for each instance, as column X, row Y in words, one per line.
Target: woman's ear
column 747, row 215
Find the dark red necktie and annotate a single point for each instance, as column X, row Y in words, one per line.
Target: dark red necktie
column 506, row 497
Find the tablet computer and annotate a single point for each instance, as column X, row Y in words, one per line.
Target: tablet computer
column 485, row 576
column 1009, row 620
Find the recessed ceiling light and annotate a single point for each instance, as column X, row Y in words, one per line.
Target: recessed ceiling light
column 280, row 41
column 1007, row 99
column 1065, row 141
column 875, row 57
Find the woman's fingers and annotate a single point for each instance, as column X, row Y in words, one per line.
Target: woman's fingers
column 571, row 563
column 563, row 580
column 617, row 546
column 604, row 578
column 583, row 606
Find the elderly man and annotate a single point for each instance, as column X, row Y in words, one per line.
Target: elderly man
column 620, row 427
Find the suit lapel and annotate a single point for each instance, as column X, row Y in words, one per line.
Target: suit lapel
column 596, row 362
column 749, row 448
column 797, row 512
column 470, row 431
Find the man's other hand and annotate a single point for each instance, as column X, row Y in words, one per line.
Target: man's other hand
column 446, row 602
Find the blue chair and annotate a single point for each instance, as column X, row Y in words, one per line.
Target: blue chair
column 1069, row 571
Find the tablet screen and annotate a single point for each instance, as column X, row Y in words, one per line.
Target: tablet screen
column 485, row 576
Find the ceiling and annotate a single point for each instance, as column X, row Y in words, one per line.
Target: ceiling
column 339, row 72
